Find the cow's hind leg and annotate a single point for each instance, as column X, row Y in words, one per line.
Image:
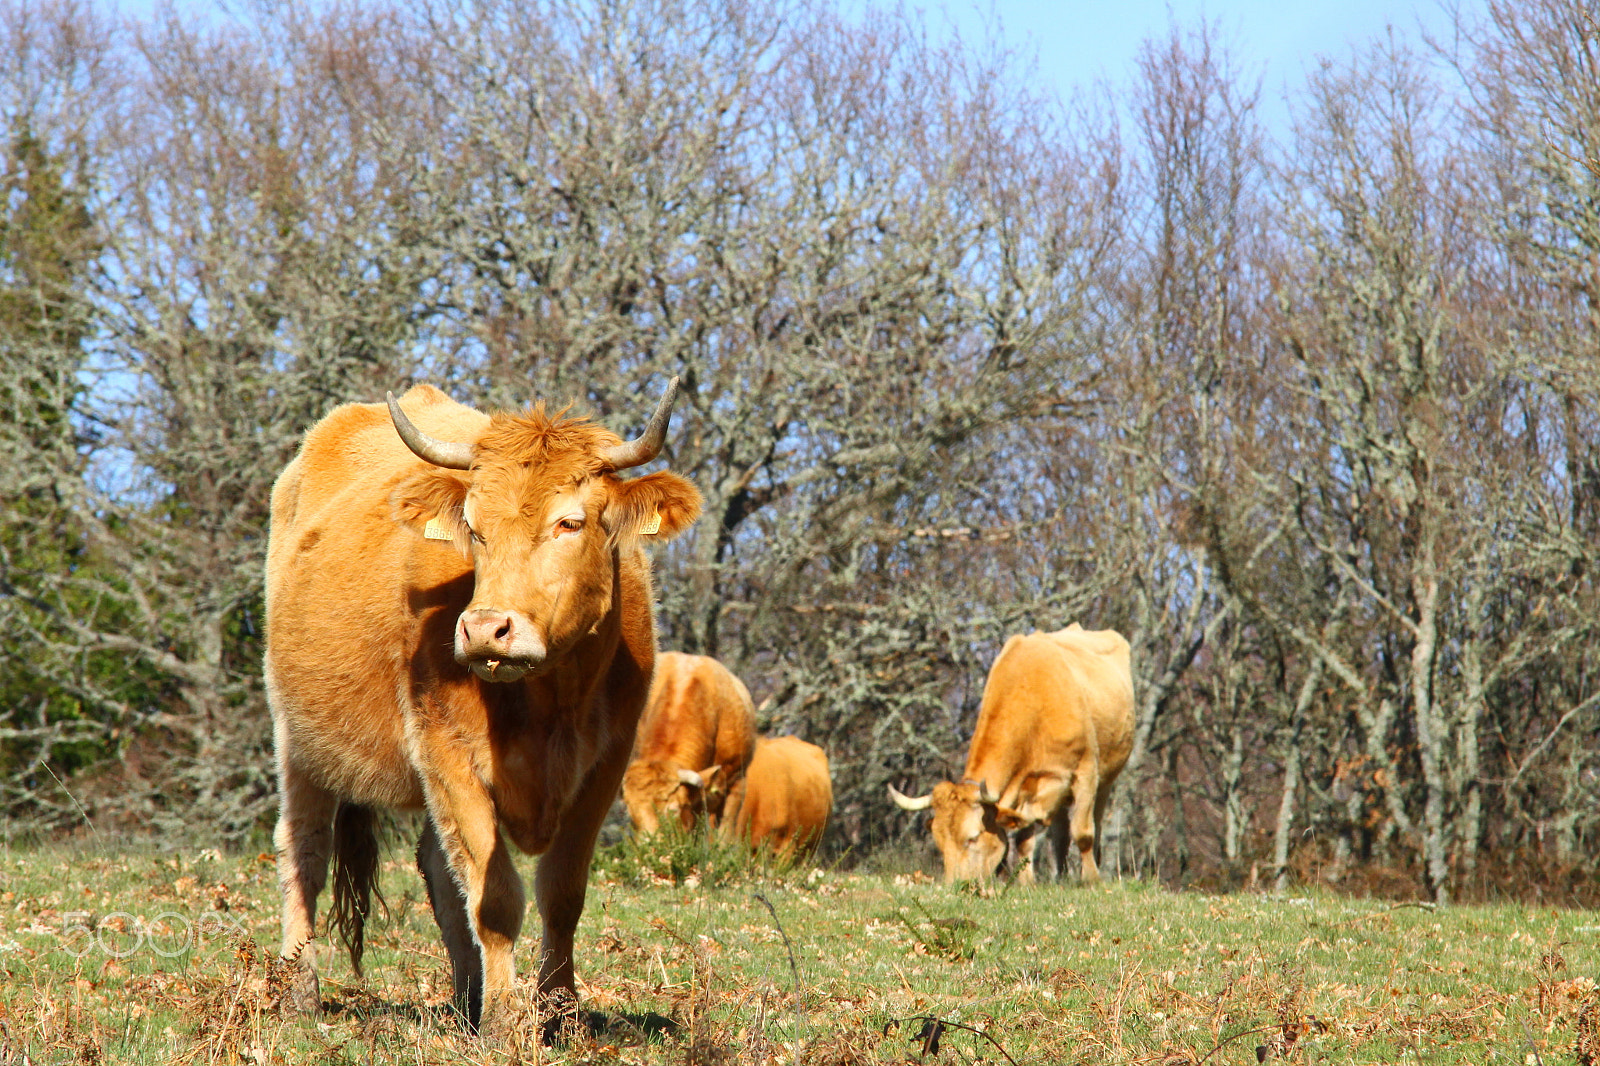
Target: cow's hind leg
column 304, row 842
column 1060, row 840
column 1085, row 790
column 1102, row 803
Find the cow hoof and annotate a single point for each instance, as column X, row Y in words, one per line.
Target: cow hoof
column 563, row 1022
column 498, row 1026
column 561, row 1030
column 303, row 997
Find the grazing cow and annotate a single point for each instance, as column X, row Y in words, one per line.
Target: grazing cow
column 694, row 741
column 1055, row 728
column 785, row 797
column 459, row 621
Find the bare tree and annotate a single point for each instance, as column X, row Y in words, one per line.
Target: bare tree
column 62, row 712
column 1313, row 423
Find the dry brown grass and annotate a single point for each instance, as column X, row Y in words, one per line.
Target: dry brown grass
column 883, row 970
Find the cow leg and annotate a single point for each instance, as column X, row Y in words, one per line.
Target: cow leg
column 467, row 839
column 1060, row 839
column 561, row 883
column 500, row 915
column 303, row 840
column 1085, row 792
column 1027, row 838
column 450, row 912
column 1102, row 803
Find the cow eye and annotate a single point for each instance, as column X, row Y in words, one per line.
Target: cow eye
column 477, row 538
column 569, row 525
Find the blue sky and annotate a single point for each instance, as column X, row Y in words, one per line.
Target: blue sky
column 1077, row 41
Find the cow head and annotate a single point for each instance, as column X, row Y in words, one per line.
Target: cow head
column 970, row 827
column 536, row 504
column 654, row 790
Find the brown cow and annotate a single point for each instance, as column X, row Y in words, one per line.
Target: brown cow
column 1054, row 729
column 785, row 797
column 459, row 621
column 695, row 739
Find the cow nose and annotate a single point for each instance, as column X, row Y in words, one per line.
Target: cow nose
column 486, row 631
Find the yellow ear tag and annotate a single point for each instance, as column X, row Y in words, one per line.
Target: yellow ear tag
column 434, row 530
column 653, row 526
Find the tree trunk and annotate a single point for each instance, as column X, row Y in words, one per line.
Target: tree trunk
column 1289, row 799
column 1469, row 784
column 1430, row 742
column 1234, row 818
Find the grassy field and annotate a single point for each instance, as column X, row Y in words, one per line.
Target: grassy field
column 147, row 957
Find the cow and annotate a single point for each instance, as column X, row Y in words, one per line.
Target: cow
column 1054, row 730
column 459, row 622
column 785, row 798
column 694, row 741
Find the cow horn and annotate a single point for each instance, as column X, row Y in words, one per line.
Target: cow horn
column 985, row 795
column 453, row 455
column 689, row 777
column 647, row 445
column 906, row 803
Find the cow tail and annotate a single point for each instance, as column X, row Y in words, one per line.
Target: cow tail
column 355, row 876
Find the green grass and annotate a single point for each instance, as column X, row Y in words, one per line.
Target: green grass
column 679, row 856
column 1126, row 973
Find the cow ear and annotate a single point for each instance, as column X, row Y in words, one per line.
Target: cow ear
column 431, row 503
column 712, row 776
column 636, row 506
column 1008, row 818
column 1042, row 788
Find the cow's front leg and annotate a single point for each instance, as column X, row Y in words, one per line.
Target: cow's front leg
column 562, row 881
column 473, row 886
column 303, row 841
column 450, row 911
column 1027, row 840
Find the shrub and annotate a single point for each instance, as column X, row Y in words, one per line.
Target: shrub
column 696, row 856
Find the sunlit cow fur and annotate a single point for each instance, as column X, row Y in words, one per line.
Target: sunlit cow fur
column 785, row 799
column 695, row 738
column 1054, row 730
column 492, row 678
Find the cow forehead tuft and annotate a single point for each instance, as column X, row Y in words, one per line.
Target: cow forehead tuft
column 533, row 454
column 956, row 791
column 535, row 437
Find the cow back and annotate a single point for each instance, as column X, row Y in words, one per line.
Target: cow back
column 698, row 715
column 1101, row 665
column 786, row 795
column 1050, row 701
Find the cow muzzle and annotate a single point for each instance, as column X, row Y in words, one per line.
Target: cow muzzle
column 498, row 645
